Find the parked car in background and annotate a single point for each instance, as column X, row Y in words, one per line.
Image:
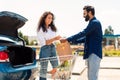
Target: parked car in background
column 16, row 60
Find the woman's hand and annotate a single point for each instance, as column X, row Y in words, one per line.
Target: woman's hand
column 57, row 37
column 50, row 41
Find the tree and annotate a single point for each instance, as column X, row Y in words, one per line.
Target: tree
column 109, row 31
column 20, row 34
column 25, row 38
column 33, row 42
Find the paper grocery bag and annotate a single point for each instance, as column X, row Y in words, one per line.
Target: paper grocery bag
column 64, row 49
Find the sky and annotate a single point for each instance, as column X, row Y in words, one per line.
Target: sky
column 68, row 14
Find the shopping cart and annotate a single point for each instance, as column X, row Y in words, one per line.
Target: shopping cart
column 63, row 70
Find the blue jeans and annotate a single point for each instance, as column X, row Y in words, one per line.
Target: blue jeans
column 93, row 64
column 47, row 53
column 21, row 75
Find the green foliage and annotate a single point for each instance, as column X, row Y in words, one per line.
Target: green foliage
column 25, row 38
column 80, row 53
column 111, row 52
column 20, row 34
column 109, row 31
column 33, row 42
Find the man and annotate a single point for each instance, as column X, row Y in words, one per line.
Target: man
column 92, row 37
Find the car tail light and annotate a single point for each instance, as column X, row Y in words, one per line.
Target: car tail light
column 3, row 55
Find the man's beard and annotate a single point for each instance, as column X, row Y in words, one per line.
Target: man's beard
column 87, row 18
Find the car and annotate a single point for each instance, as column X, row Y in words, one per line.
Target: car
column 16, row 59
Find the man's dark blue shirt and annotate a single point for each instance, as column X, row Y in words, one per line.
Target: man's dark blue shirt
column 91, row 36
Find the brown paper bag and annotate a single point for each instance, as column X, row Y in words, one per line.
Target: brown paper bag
column 64, row 49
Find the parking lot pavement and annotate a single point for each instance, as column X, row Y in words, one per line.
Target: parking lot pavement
column 109, row 69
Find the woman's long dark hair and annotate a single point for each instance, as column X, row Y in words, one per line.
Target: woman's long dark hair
column 41, row 23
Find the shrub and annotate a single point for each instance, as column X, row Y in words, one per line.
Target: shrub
column 111, row 52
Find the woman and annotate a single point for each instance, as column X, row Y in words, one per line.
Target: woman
column 46, row 32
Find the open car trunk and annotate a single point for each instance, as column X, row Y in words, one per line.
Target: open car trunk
column 9, row 24
column 19, row 55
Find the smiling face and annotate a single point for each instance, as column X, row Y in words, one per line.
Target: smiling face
column 48, row 20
